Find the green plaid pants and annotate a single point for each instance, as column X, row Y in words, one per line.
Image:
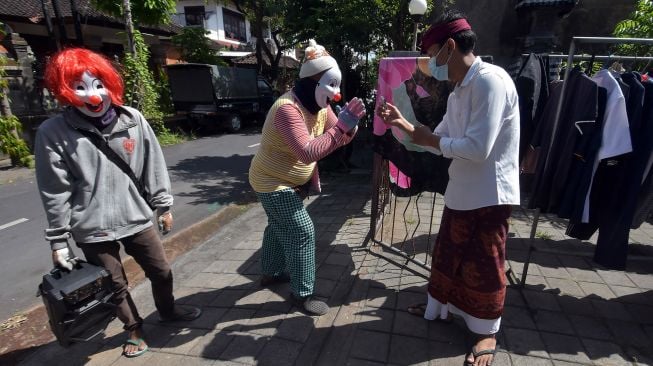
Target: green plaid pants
column 288, row 240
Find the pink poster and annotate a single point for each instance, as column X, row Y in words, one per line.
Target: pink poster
column 406, row 83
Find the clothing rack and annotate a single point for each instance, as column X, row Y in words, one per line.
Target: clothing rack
column 571, row 56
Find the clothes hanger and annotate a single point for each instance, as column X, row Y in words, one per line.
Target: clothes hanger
column 606, row 63
column 615, row 68
column 588, row 71
column 648, row 63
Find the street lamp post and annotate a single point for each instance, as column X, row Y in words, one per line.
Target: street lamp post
column 416, row 8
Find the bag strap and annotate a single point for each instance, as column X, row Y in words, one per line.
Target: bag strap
column 103, row 146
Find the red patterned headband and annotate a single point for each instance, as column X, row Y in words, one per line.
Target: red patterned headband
column 441, row 32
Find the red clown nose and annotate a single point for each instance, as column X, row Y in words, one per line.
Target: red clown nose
column 337, row 97
column 95, row 99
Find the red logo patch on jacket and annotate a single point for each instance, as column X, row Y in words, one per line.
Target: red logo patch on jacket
column 129, row 145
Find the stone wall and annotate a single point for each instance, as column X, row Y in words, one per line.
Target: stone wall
column 501, row 29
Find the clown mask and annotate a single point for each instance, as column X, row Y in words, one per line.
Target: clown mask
column 328, row 87
column 91, row 91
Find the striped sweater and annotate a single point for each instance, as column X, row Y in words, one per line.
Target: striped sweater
column 293, row 140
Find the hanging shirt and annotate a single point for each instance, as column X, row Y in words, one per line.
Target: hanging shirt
column 616, row 131
column 559, row 136
column 533, row 90
column 480, row 132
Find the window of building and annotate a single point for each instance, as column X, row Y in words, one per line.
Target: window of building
column 234, row 25
column 194, row 15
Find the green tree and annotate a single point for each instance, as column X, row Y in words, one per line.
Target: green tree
column 143, row 92
column 263, row 15
column 195, row 46
column 140, row 87
column 352, row 30
column 639, row 24
column 151, row 12
column 11, row 142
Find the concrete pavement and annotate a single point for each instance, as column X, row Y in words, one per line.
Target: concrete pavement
column 571, row 312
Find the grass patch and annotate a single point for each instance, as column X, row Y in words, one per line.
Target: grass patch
column 167, row 138
column 543, row 235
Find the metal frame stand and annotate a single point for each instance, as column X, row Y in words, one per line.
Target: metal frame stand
column 381, row 197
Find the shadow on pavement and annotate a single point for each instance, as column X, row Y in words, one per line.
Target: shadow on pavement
column 368, row 296
column 208, row 175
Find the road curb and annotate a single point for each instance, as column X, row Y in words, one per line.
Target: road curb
column 17, row 343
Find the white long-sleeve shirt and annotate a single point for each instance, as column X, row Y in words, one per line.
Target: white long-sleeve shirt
column 480, row 132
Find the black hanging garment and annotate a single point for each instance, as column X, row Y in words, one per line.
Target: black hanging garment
column 579, row 113
column 612, row 245
column 533, row 90
column 617, row 183
column 428, row 172
column 642, row 143
column 574, row 191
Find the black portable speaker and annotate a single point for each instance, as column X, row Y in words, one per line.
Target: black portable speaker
column 78, row 302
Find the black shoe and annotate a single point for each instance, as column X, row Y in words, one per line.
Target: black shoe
column 273, row 280
column 311, row 304
column 183, row 314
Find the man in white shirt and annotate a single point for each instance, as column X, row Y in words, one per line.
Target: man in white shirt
column 480, row 133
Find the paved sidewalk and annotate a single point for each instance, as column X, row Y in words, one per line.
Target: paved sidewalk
column 10, row 174
column 571, row 312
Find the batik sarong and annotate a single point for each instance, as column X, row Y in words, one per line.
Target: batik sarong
column 467, row 272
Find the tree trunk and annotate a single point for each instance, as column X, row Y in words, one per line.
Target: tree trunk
column 129, row 26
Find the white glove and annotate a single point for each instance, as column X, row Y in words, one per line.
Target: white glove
column 63, row 258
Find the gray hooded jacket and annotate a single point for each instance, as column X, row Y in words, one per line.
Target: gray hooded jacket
column 85, row 194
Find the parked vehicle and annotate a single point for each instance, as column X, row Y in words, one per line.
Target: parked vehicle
column 217, row 95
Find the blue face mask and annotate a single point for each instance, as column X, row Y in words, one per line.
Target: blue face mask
column 439, row 72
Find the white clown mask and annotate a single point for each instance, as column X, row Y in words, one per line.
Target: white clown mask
column 328, row 87
column 90, row 90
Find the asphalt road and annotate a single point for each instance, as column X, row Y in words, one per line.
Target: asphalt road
column 206, row 174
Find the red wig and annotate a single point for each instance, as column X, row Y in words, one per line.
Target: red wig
column 67, row 66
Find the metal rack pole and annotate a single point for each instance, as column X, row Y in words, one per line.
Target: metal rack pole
column 602, row 57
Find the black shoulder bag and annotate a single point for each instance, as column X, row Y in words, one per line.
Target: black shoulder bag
column 103, row 146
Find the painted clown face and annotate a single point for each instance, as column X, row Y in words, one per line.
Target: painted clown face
column 90, row 90
column 328, row 87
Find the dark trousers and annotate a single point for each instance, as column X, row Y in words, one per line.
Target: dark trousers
column 612, row 200
column 147, row 250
